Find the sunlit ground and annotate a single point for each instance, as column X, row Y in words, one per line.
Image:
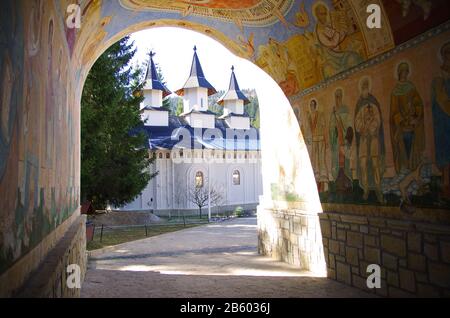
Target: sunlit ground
column 218, row 260
column 218, row 249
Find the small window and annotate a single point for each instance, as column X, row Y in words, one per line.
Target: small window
column 199, row 179
column 168, row 155
column 236, row 177
column 160, row 155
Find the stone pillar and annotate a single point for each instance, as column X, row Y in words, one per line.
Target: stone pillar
column 292, row 236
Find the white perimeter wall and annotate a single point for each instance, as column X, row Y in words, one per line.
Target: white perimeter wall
column 170, row 188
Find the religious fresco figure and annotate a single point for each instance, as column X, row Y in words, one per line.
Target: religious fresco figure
column 425, row 5
column 441, row 118
column 276, row 60
column 407, row 122
column 341, row 140
column 330, row 38
column 317, row 144
column 369, row 135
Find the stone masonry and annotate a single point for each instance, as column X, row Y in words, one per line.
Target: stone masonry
column 50, row 278
column 414, row 256
column 292, row 237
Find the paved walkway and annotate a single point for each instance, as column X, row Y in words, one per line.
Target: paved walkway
column 217, row 260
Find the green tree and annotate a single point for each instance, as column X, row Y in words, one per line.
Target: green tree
column 180, row 108
column 114, row 161
column 166, row 101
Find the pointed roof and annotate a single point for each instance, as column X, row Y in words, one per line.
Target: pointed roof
column 196, row 77
column 152, row 80
column 234, row 92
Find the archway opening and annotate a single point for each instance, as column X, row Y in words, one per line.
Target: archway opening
column 279, row 127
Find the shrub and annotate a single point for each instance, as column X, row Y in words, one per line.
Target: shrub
column 239, row 212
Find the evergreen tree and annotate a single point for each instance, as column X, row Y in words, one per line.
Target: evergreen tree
column 180, row 108
column 166, row 101
column 114, row 161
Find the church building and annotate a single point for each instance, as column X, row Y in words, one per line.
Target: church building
column 198, row 154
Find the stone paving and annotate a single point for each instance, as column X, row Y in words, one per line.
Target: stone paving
column 216, row 260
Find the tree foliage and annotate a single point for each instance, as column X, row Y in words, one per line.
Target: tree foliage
column 200, row 196
column 114, row 161
column 166, row 104
column 175, row 105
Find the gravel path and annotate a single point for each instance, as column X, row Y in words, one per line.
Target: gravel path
column 216, row 260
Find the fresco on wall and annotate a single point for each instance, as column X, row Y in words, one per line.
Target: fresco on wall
column 370, row 142
column 329, row 43
column 381, row 148
column 409, row 18
column 246, row 12
column 357, row 154
column 38, row 141
column 441, row 118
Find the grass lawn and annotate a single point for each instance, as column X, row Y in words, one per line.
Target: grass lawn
column 123, row 235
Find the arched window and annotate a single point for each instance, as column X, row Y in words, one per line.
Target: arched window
column 199, row 179
column 236, row 177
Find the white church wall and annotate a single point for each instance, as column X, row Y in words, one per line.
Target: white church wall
column 153, row 98
column 195, row 98
column 233, row 106
column 170, row 188
column 156, row 118
column 200, row 120
column 238, row 122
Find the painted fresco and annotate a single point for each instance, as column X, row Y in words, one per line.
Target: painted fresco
column 39, row 168
column 381, row 148
column 330, row 42
column 409, row 18
column 246, row 12
column 298, row 43
column 369, row 136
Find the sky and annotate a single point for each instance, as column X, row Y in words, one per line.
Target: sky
column 174, row 51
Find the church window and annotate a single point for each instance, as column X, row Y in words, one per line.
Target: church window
column 167, row 155
column 160, row 155
column 199, row 179
column 236, row 177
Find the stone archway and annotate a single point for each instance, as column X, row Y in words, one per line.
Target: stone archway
column 39, row 135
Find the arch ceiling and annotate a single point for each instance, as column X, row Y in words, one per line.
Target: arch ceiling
column 298, row 43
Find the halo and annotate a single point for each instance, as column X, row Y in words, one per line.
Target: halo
column 439, row 53
column 365, row 77
column 315, row 5
column 313, row 99
column 398, row 64
column 341, row 89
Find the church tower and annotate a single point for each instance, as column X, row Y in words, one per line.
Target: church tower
column 233, row 102
column 154, row 92
column 195, row 94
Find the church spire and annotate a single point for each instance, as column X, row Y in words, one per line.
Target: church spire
column 234, row 93
column 152, row 80
column 196, row 77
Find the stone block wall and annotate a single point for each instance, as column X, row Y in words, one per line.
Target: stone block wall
column 414, row 256
column 413, row 253
column 292, row 237
column 49, row 280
